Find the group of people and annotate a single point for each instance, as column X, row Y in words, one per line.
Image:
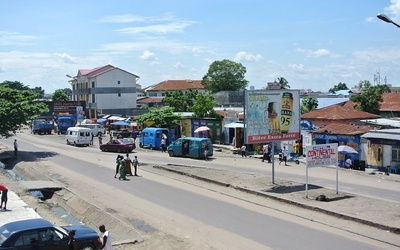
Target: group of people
column 123, row 166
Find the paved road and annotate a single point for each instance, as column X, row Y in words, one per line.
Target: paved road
column 220, row 218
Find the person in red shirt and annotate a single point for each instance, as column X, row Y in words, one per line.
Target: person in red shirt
column 4, row 197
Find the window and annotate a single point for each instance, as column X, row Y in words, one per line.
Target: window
column 119, row 94
column 93, row 98
column 119, row 82
column 396, row 154
column 27, row 239
column 92, row 84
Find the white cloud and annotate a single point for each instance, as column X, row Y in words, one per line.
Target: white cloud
column 128, row 18
column 247, row 56
column 15, row 38
column 179, row 65
column 174, row 27
column 65, row 58
column 394, row 9
column 370, row 19
column 296, row 67
column 149, row 56
column 319, row 52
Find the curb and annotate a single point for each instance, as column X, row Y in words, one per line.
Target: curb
column 394, row 230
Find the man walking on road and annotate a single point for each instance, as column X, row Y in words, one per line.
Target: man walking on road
column 106, row 243
column 15, row 147
column 4, row 197
column 135, row 164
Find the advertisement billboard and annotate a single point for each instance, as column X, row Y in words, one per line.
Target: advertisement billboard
column 272, row 115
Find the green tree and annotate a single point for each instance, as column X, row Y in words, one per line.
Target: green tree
column 370, row 97
column 308, row 104
column 39, row 90
column 16, row 85
column 67, row 91
column 225, row 75
column 179, row 100
column 162, row 117
column 283, row 83
column 17, row 108
column 204, row 106
column 60, row 96
column 340, row 86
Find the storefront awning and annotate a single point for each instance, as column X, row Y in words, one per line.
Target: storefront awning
column 234, row 125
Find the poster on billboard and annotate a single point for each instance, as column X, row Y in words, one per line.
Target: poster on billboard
column 272, row 115
column 80, row 114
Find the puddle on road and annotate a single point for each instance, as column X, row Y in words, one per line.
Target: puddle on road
column 141, row 225
column 71, row 220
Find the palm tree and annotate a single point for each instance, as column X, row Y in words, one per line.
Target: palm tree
column 283, row 82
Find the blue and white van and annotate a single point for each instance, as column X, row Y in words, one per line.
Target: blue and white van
column 151, row 137
column 193, row 147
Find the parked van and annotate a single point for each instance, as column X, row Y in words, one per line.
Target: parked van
column 78, row 136
column 151, row 137
column 192, row 147
column 97, row 129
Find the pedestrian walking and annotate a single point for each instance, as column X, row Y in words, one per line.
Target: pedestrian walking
column 283, row 155
column 117, row 165
column 206, row 150
column 134, row 135
column 4, row 196
column 71, row 242
column 15, row 147
column 122, row 169
column 105, row 238
column 100, row 139
column 135, row 164
column 163, row 142
column 128, row 163
column 91, row 139
column 243, row 149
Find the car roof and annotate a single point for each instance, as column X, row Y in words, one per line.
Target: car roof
column 27, row 224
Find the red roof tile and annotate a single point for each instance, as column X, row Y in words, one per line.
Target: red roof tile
column 150, row 100
column 391, row 102
column 338, row 112
column 344, row 129
column 172, row 85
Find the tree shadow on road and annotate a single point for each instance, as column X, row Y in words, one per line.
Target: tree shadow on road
column 9, row 160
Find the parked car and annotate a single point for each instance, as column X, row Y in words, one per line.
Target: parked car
column 41, row 234
column 119, row 145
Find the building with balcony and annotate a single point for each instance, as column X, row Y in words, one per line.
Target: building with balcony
column 106, row 90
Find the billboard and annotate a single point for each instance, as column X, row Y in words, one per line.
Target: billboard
column 272, row 115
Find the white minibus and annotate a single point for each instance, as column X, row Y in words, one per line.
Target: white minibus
column 78, row 136
column 97, row 129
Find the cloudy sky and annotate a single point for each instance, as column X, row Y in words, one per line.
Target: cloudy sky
column 314, row 44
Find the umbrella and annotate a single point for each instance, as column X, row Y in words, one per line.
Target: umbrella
column 201, row 129
column 86, row 121
column 346, row 150
column 121, row 123
column 102, row 120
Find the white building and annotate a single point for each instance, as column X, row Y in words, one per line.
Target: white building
column 106, row 90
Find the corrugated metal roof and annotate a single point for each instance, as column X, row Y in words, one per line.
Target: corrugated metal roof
column 343, row 129
column 171, row 85
column 380, row 135
column 383, row 122
column 391, row 102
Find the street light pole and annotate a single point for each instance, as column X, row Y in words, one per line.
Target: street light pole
column 385, row 18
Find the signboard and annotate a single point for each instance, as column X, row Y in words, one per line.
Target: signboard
column 272, row 115
column 322, row 155
column 67, row 106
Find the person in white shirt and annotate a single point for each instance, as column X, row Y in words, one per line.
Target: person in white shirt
column 348, row 163
column 106, row 243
